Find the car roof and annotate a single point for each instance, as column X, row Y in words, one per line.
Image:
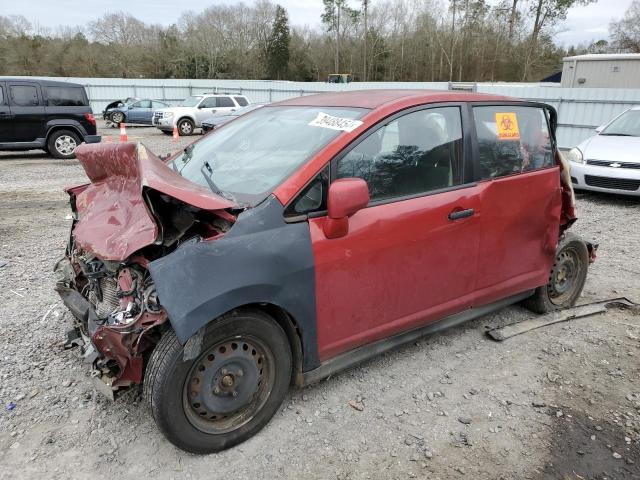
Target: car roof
column 377, row 98
column 219, row 95
column 50, row 83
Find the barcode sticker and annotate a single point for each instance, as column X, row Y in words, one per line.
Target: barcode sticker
column 335, row 123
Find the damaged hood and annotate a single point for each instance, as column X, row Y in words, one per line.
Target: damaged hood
column 114, row 220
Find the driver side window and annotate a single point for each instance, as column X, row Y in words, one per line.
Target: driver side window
column 416, row 153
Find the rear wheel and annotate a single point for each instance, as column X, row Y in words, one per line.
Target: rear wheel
column 63, row 143
column 567, row 277
column 229, row 392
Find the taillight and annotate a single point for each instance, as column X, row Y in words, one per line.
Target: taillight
column 90, row 118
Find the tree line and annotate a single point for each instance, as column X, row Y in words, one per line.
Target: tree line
column 373, row 40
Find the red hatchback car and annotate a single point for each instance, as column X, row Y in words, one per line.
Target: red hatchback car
column 308, row 235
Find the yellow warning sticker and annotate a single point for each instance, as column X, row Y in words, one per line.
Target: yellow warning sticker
column 507, row 124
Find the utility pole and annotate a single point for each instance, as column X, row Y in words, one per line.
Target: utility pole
column 365, row 8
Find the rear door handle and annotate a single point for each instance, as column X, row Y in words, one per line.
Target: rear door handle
column 459, row 214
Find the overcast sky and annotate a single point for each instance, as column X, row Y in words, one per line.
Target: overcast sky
column 583, row 23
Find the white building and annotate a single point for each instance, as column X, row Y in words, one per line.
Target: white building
column 620, row 70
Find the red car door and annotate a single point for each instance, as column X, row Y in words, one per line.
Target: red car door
column 410, row 256
column 520, row 197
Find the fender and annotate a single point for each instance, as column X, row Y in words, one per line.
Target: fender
column 65, row 123
column 261, row 259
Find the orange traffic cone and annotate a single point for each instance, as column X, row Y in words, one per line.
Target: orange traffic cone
column 176, row 135
column 123, row 133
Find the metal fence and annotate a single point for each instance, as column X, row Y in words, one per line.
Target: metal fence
column 580, row 110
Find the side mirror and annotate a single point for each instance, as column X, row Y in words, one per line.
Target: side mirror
column 346, row 197
column 600, row 128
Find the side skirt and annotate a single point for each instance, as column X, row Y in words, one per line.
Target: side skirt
column 365, row 352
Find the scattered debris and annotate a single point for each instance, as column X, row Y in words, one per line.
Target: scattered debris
column 356, row 406
column 508, row 331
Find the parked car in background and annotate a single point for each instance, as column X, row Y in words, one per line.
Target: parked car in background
column 138, row 112
column 115, row 104
column 190, row 114
column 220, row 119
column 306, row 236
column 610, row 160
column 43, row 114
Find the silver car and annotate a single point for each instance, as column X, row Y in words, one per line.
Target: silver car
column 610, row 160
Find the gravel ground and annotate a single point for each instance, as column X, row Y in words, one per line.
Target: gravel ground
column 558, row 402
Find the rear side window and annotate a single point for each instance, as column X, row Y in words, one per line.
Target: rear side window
column 65, row 97
column 417, row 153
column 512, row 140
column 155, row 104
column 242, row 101
column 2, row 101
column 24, row 95
column 224, row 102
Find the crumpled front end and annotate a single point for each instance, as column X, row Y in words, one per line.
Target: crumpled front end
column 134, row 211
column 117, row 314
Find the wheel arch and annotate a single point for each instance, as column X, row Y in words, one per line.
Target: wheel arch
column 57, row 127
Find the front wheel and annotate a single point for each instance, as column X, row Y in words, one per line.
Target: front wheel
column 229, row 392
column 566, row 279
column 117, row 118
column 186, row 127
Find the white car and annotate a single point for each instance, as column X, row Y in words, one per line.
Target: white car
column 610, row 160
column 192, row 111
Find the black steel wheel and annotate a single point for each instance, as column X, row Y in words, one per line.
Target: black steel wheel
column 566, row 279
column 228, row 384
column 226, row 394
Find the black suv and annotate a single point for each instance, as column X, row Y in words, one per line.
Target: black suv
column 53, row 116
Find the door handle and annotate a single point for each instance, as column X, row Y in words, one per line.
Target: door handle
column 459, row 214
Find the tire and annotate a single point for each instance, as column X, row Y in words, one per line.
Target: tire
column 63, row 143
column 185, row 127
column 245, row 352
column 566, row 279
column 117, row 118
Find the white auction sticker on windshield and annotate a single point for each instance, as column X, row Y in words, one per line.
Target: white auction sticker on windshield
column 335, row 123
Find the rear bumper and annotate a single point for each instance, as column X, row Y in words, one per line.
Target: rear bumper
column 623, row 181
column 92, row 138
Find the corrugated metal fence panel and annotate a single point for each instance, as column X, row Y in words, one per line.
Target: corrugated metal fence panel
column 580, row 110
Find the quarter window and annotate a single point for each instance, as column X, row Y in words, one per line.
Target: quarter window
column 225, row 102
column 512, row 140
column 24, row 96
column 65, row 97
column 1, row 96
column 417, row 153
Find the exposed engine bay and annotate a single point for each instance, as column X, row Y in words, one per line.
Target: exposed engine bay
column 118, row 316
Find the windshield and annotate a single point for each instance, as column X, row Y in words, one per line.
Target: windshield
column 191, row 101
column 249, row 157
column 626, row 125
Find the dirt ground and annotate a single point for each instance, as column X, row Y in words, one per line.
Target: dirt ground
column 561, row 402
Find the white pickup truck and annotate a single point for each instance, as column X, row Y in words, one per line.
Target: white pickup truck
column 193, row 110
